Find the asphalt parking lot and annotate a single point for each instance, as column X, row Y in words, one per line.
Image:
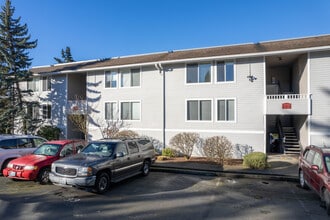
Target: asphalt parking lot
column 162, row 196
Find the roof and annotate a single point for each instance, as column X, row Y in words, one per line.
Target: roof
column 62, row 142
column 14, row 136
column 181, row 55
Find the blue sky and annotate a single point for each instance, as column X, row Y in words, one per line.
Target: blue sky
column 96, row 29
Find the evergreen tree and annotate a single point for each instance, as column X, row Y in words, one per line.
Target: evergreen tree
column 66, row 56
column 14, row 68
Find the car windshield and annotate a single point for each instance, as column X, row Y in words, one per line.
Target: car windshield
column 102, row 149
column 47, row 149
column 327, row 162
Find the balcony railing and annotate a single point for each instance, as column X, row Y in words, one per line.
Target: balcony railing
column 288, row 104
column 76, row 107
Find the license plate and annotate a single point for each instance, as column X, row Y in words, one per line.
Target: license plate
column 12, row 173
column 62, row 181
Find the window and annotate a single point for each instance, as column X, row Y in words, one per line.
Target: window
column 33, row 85
column 8, row 144
column 199, row 110
column 121, row 148
column 130, row 78
column 46, row 111
column 33, row 111
column 110, row 110
column 198, row 73
column 111, row 79
column 310, row 155
column 46, row 83
column 130, row 111
column 225, row 71
column 132, row 147
column 67, row 150
column 226, row 110
column 318, row 160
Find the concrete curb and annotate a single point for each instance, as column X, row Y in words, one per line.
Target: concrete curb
column 230, row 174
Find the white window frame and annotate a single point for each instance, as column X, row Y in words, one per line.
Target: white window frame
column 199, row 100
column 198, row 64
column 116, row 77
column 115, row 114
column 34, row 83
column 216, row 71
column 129, row 71
column 35, row 111
column 130, row 101
column 47, row 111
column 46, row 83
column 235, row 110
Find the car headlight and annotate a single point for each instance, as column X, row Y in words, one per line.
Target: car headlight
column 29, row 167
column 53, row 167
column 10, row 165
column 85, row 171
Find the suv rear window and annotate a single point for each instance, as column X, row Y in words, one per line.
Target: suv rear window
column 8, row 144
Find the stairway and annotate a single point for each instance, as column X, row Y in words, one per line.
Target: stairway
column 291, row 143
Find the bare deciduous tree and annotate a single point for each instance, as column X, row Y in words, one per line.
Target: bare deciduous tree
column 185, row 142
column 217, row 149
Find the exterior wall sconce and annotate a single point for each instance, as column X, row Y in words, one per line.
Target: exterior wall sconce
column 250, row 76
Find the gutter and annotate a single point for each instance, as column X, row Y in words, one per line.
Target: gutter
column 161, row 70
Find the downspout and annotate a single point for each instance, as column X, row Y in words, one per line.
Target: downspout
column 161, row 70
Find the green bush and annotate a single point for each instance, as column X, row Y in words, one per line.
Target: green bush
column 168, row 152
column 49, row 132
column 255, row 160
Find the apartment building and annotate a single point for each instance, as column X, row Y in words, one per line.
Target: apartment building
column 245, row 92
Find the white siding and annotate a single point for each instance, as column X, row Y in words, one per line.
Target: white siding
column 320, row 90
column 149, row 94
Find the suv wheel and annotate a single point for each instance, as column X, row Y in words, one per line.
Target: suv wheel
column 145, row 168
column 302, row 179
column 102, row 183
column 43, row 175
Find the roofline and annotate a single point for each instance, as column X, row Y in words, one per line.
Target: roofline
column 293, row 38
column 63, row 64
column 235, row 56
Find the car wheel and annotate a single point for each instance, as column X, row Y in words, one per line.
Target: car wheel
column 43, row 176
column 325, row 200
column 4, row 165
column 146, row 168
column 302, row 180
column 102, row 183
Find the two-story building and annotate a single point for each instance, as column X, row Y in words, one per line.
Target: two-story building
column 244, row 92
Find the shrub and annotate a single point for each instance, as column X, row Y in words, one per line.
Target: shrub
column 168, row 152
column 184, row 142
column 126, row 134
column 49, row 132
column 217, row 149
column 255, row 160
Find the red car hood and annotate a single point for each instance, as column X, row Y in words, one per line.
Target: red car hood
column 31, row 159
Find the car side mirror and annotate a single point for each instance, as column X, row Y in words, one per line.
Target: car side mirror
column 120, row 154
column 315, row 167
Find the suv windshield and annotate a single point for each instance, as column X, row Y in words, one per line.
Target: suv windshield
column 48, row 149
column 102, row 149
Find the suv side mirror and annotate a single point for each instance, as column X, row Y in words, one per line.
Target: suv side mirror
column 119, row 154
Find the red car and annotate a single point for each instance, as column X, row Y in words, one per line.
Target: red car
column 36, row 166
column 314, row 172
